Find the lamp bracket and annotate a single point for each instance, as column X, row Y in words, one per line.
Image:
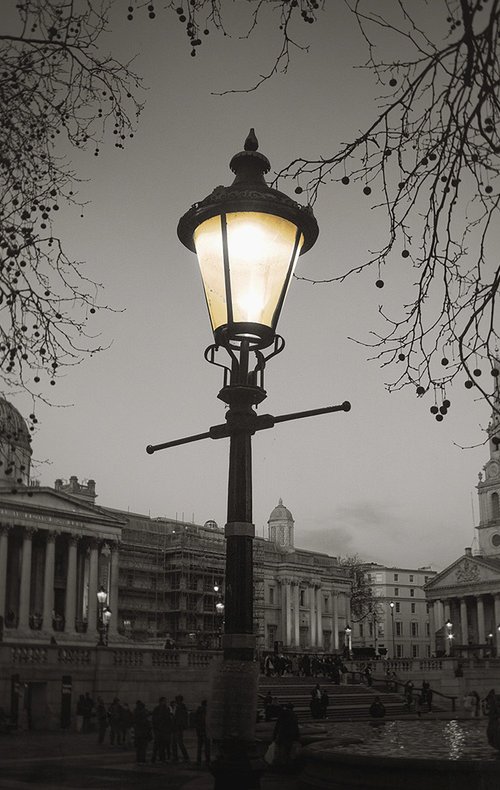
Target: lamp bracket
column 248, row 425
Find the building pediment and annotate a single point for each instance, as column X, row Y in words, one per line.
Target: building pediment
column 467, row 571
column 52, row 508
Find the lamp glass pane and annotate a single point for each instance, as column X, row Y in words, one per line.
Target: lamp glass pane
column 208, row 242
column 260, row 251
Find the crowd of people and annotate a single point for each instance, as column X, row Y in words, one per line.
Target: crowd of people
column 304, row 665
column 163, row 727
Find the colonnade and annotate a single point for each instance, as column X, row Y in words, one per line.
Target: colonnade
column 474, row 621
column 28, row 590
column 318, row 617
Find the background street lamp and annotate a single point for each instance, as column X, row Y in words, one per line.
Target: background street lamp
column 348, row 640
column 449, row 636
column 392, row 605
column 104, row 617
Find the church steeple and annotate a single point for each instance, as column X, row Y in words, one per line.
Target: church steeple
column 488, row 488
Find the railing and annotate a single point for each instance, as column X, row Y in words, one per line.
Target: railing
column 111, row 656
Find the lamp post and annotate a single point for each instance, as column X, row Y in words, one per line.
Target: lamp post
column 449, row 636
column 348, row 640
column 104, row 617
column 392, row 605
column 375, row 631
column 247, row 238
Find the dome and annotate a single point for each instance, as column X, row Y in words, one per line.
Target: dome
column 13, row 427
column 281, row 513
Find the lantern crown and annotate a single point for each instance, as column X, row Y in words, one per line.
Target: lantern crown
column 248, row 192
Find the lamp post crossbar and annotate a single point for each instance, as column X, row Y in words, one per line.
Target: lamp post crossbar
column 258, row 423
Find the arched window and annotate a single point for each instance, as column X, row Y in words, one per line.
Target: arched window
column 495, row 505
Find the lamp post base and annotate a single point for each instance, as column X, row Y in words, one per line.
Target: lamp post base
column 231, row 718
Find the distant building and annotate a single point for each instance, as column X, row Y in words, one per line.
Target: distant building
column 163, row 580
column 464, row 599
column 397, row 625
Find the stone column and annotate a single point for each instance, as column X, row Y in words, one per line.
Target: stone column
column 432, row 628
column 464, row 625
column 70, row 600
column 4, row 546
column 48, row 580
column 312, row 617
column 335, row 621
column 24, row 594
column 319, row 617
column 496, row 599
column 288, row 614
column 92, row 610
column 296, row 609
column 481, row 630
column 113, row 590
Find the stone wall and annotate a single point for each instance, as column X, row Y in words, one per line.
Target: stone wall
column 43, row 683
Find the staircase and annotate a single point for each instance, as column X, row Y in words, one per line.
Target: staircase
column 347, row 703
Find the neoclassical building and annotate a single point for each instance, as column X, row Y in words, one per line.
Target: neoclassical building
column 163, row 579
column 56, row 549
column 464, row 599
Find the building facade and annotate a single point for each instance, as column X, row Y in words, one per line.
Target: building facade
column 464, row 599
column 397, row 624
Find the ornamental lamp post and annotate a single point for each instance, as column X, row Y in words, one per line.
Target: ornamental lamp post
column 247, row 238
column 102, row 597
column 348, row 640
column 449, row 636
column 392, row 605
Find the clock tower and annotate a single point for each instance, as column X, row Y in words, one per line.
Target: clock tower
column 489, row 487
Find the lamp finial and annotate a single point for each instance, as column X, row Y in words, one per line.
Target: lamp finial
column 251, row 143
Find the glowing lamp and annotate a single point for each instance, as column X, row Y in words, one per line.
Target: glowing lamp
column 247, row 238
column 102, row 596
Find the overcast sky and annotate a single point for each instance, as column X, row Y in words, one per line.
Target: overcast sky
column 385, row 480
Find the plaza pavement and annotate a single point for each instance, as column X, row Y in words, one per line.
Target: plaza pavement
column 66, row 760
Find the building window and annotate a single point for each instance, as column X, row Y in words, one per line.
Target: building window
column 412, row 592
column 361, row 630
column 495, row 506
column 411, row 577
column 399, row 651
column 399, row 628
column 271, row 595
column 427, row 607
column 396, row 577
column 302, row 597
column 414, row 651
column 427, row 629
column 370, row 629
column 396, row 591
column 326, row 602
column 428, row 651
column 398, row 607
column 414, row 628
column 413, row 608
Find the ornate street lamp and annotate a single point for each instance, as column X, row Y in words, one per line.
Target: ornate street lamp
column 449, row 636
column 247, row 238
column 348, row 639
column 392, row 605
column 102, row 597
